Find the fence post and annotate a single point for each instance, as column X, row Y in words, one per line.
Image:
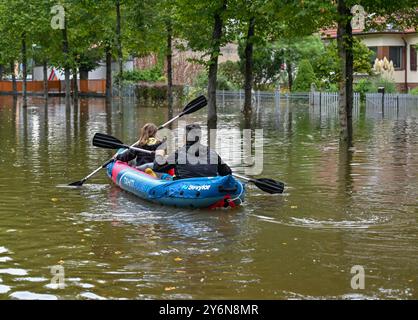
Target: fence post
column 320, row 100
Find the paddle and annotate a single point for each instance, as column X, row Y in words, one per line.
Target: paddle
column 265, row 184
column 105, row 141
column 191, row 107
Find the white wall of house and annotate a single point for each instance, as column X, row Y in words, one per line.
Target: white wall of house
column 412, row 75
column 380, row 40
column 97, row 74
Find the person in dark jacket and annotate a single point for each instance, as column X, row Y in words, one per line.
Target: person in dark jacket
column 193, row 159
column 148, row 141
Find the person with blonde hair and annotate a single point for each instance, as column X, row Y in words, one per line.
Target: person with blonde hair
column 148, row 141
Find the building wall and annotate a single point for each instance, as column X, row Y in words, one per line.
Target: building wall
column 383, row 42
column 97, row 74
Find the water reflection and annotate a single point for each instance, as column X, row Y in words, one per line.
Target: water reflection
column 342, row 207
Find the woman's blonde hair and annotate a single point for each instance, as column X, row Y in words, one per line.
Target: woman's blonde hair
column 149, row 130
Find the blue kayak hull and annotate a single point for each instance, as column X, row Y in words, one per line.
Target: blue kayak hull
column 204, row 192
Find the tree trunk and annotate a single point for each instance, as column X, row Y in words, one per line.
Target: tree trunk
column 249, row 67
column 45, row 72
column 75, row 85
column 169, row 69
column 119, row 47
column 67, row 71
column 345, row 52
column 84, row 73
column 12, row 70
column 289, row 75
column 24, row 71
column 213, row 66
column 1, row 71
column 108, row 72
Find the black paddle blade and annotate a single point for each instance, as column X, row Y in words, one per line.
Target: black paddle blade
column 105, row 141
column 195, row 105
column 269, row 185
column 77, row 183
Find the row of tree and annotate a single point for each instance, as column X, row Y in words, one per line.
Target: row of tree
column 113, row 29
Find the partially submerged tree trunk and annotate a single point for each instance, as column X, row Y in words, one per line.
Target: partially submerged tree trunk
column 289, row 75
column 119, row 47
column 345, row 53
column 67, row 71
column 108, row 73
column 45, row 72
column 169, row 58
column 12, row 70
column 75, row 85
column 24, row 71
column 213, row 65
column 84, row 73
column 248, row 83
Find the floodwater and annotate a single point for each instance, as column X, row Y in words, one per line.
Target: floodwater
column 340, row 209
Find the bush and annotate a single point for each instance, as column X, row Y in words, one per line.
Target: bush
column 222, row 83
column 389, row 85
column 305, row 77
column 363, row 86
column 154, row 74
column 414, row 91
column 230, row 71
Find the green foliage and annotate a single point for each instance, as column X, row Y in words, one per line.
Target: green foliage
column 326, row 65
column 267, row 61
column 414, row 91
column 154, row 74
column 389, row 85
column 222, row 83
column 371, row 85
column 305, row 77
column 363, row 86
column 231, row 72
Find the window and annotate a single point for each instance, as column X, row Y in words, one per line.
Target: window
column 374, row 55
column 395, row 54
column 413, row 58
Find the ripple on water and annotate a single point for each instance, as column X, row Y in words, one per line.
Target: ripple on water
column 27, row 295
column 14, row 271
column 90, row 296
column 4, row 289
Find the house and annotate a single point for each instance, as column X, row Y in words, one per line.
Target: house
column 398, row 46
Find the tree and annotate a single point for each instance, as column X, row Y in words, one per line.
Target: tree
column 206, row 27
column 401, row 14
column 327, row 64
column 305, row 77
column 294, row 49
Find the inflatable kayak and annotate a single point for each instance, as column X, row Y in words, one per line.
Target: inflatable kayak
column 205, row 192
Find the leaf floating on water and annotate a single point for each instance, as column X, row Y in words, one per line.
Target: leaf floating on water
column 284, row 243
column 118, row 252
column 178, row 259
column 293, row 207
column 54, row 199
column 169, row 288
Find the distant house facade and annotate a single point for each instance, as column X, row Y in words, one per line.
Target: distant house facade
column 400, row 47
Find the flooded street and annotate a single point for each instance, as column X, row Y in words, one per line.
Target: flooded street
column 340, row 209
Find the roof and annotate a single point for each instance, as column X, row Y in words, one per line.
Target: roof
column 332, row 33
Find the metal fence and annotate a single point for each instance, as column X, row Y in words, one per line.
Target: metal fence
column 390, row 104
column 377, row 104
